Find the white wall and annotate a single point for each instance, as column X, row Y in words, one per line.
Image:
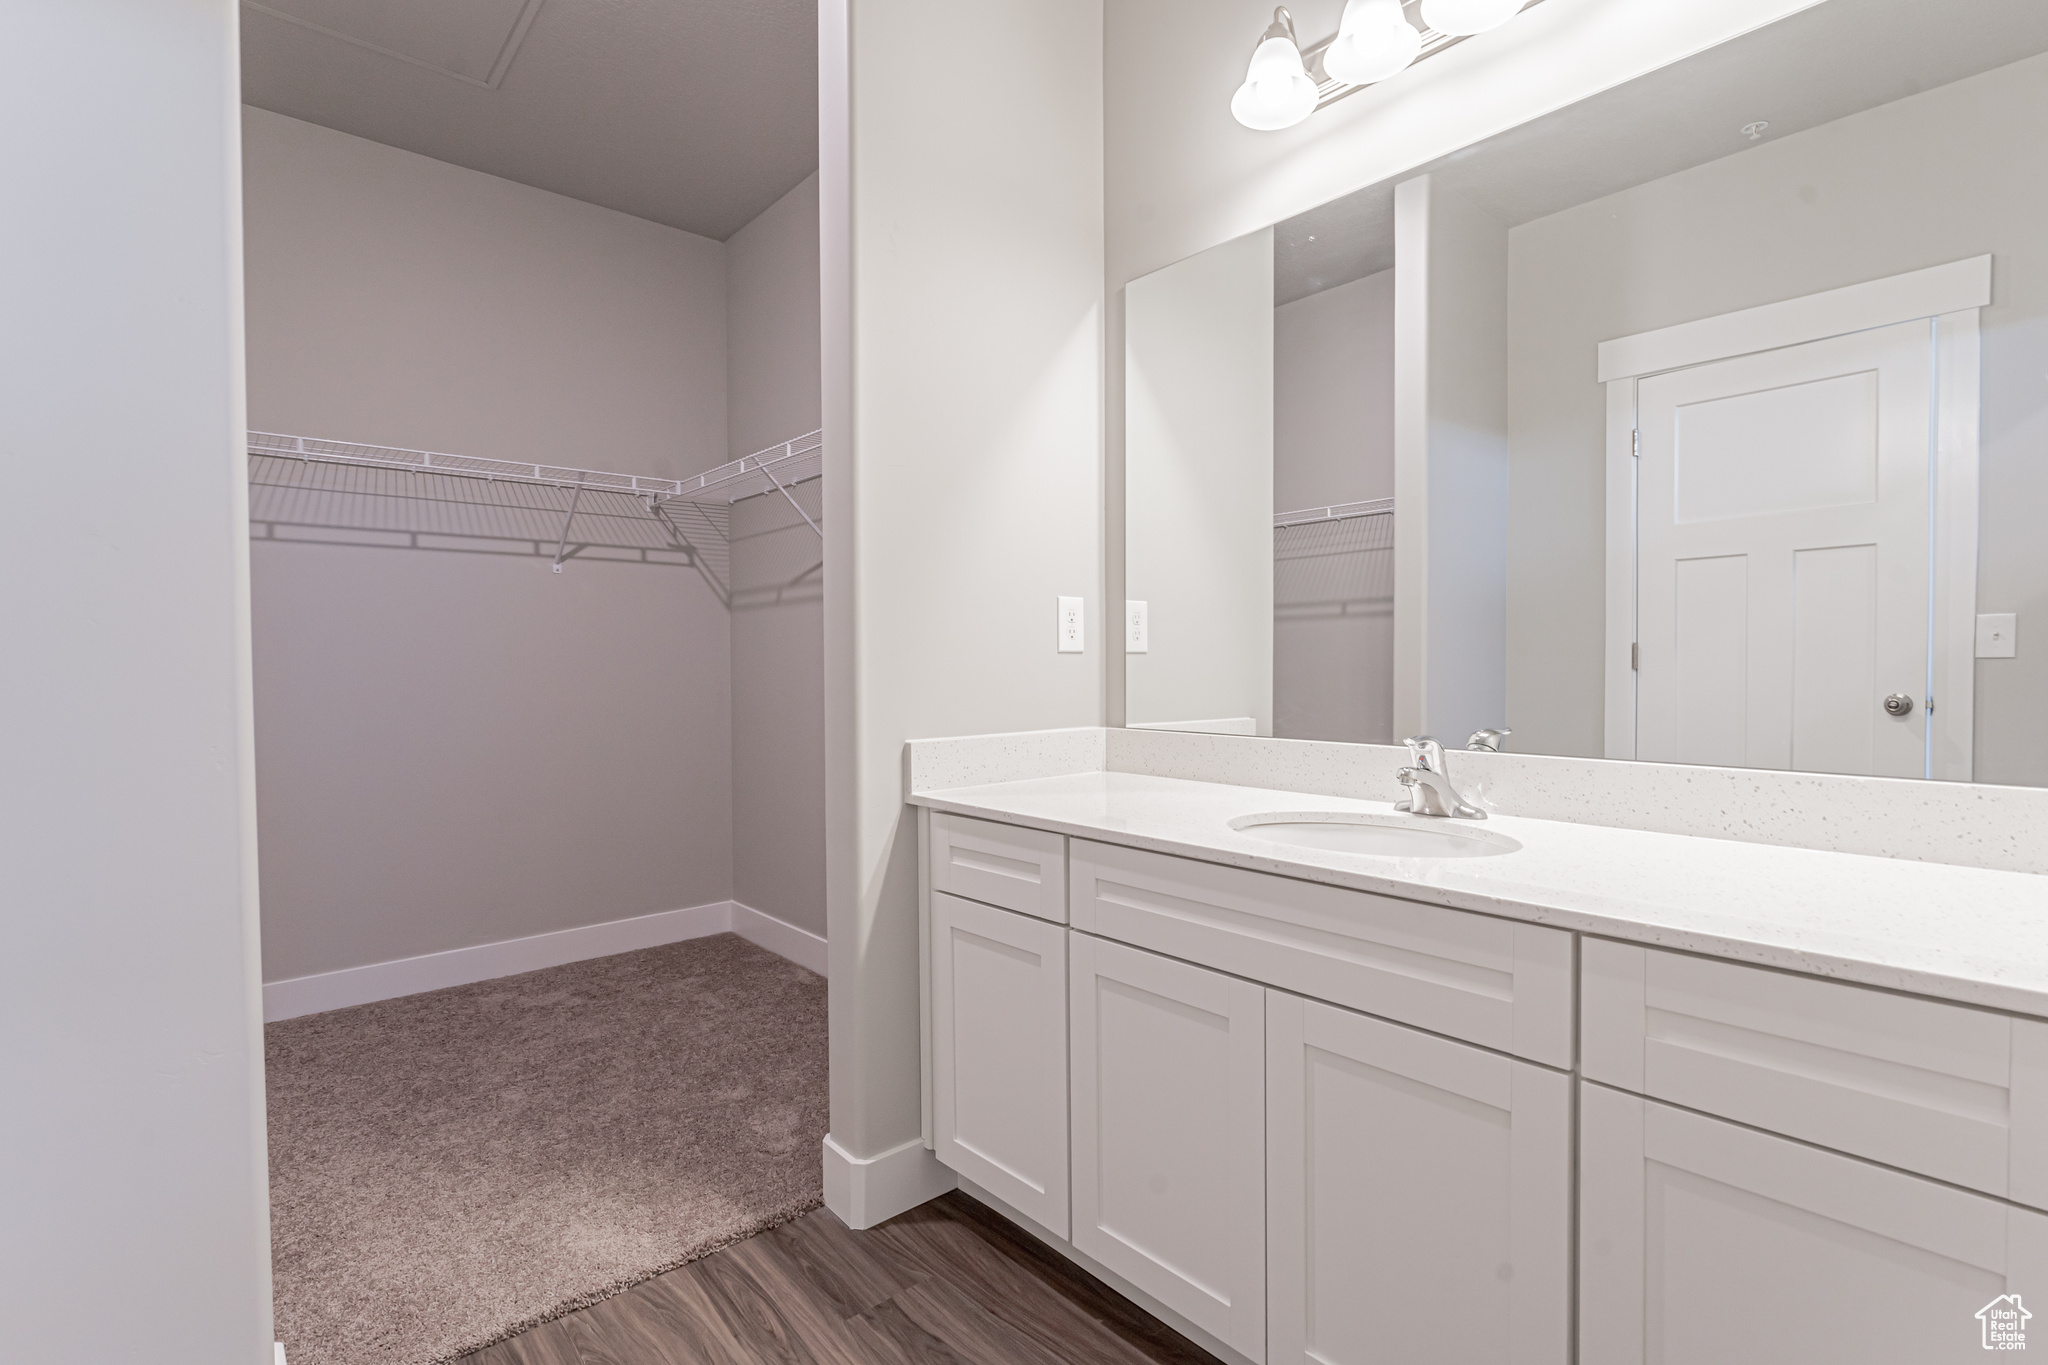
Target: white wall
column 962, row 375
column 1950, row 173
column 1198, row 485
column 1450, row 464
column 1333, row 385
column 457, row 748
column 778, row 683
column 132, row 1168
column 1333, row 395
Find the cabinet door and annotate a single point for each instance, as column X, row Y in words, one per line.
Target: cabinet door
column 1702, row 1243
column 1418, row 1195
column 999, row 1054
column 1169, row 1133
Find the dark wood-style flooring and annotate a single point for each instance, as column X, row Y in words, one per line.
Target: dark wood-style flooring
column 946, row 1283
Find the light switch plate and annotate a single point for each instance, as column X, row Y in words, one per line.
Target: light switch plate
column 1137, row 631
column 1070, row 633
column 1998, row 635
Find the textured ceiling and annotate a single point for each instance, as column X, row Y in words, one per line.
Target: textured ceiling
column 694, row 113
column 1819, row 65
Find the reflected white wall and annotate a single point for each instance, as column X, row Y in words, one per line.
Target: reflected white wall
column 1198, row 484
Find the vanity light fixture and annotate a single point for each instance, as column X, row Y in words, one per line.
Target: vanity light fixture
column 1462, row 18
column 1374, row 41
column 1277, row 92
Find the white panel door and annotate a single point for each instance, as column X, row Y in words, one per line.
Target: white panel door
column 1169, row 1133
column 1705, row 1243
column 999, row 1054
column 1783, row 558
column 1418, row 1196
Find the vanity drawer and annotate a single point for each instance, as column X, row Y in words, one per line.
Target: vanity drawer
column 1007, row 865
column 1943, row 1090
column 1488, row 981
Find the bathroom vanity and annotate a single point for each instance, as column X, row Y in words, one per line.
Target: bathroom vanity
column 1516, row 1090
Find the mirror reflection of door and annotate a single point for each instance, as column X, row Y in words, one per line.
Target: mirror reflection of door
column 1784, row 556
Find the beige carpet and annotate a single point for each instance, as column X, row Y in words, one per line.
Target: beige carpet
column 448, row 1168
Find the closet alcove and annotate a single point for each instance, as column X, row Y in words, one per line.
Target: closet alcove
column 536, row 569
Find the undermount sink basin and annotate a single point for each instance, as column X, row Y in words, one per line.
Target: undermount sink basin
column 1387, row 836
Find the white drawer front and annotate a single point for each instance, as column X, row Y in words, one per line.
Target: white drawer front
column 1019, row 869
column 1955, row 1093
column 1488, row 981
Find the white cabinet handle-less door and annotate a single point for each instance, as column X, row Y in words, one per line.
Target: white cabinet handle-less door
column 1705, row 1243
column 999, row 1054
column 1418, row 1196
column 1782, row 571
column 1169, row 1133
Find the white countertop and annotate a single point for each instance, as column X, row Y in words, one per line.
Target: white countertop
column 1960, row 933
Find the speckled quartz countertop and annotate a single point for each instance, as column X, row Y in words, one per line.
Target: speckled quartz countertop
column 1959, row 933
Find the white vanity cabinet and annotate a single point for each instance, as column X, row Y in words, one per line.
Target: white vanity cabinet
column 1418, row 1195
column 1329, row 1126
column 999, row 1054
column 1169, row 1093
column 1703, row 1242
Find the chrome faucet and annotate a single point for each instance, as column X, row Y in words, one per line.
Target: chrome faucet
column 1488, row 740
column 1428, row 781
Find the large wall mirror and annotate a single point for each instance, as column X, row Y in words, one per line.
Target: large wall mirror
column 1705, row 421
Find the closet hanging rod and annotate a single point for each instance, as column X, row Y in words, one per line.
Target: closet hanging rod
column 1343, row 511
column 774, row 469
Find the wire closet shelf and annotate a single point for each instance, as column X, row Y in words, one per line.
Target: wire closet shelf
column 1343, row 511
column 775, row 469
column 688, row 514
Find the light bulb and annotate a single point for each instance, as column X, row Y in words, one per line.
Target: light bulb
column 1374, row 41
column 1277, row 92
column 1458, row 18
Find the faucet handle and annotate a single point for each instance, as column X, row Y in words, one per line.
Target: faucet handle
column 1488, row 740
column 1426, row 751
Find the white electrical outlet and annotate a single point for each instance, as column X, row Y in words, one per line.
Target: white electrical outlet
column 1070, row 634
column 1998, row 635
column 1137, row 631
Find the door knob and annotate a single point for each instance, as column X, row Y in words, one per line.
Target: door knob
column 1898, row 704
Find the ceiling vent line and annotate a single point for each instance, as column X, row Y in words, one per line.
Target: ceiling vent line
column 507, row 50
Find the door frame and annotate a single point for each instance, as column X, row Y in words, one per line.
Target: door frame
column 1948, row 297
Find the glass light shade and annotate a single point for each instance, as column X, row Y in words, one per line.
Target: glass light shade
column 1374, row 41
column 1277, row 92
column 1458, row 18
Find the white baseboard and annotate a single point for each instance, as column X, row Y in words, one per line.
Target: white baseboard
column 481, row 962
column 864, row 1191
column 779, row 937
